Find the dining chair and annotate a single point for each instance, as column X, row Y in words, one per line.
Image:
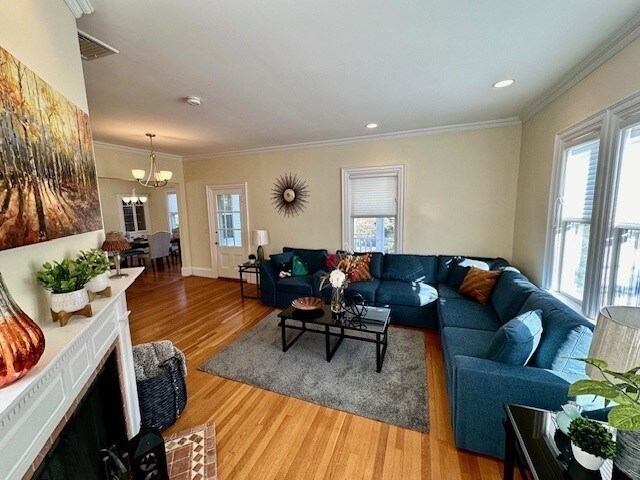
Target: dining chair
column 159, row 248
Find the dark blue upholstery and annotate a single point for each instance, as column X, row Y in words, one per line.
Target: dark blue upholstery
column 517, row 340
column 313, row 259
column 409, row 268
column 413, row 294
column 377, row 260
column 467, row 314
column 302, row 285
column 366, row 289
column 447, row 291
column 509, row 294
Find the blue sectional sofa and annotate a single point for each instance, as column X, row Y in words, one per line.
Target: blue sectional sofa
column 477, row 387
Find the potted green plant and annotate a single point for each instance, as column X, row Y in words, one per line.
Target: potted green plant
column 66, row 281
column 97, row 264
column 622, row 389
column 591, row 443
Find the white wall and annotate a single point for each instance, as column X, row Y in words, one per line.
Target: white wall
column 617, row 78
column 42, row 35
column 460, row 191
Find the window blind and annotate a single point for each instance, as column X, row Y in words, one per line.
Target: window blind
column 580, row 181
column 374, row 196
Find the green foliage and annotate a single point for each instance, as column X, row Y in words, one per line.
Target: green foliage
column 592, row 437
column 64, row 277
column 619, row 388
column 96, row 261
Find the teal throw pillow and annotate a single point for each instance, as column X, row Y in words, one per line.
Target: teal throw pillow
column 516, row 341
column 299, row 269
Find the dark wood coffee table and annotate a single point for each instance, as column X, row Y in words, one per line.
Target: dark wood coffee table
column 372, row 328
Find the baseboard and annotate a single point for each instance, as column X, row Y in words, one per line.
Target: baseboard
column 202, row 272
column 186, row 271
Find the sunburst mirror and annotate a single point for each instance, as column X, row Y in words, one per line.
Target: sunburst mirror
column 290, row 195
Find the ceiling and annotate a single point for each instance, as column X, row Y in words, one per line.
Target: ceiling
column 284, row 72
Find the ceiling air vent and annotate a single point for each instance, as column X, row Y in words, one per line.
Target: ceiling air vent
column 91, row 48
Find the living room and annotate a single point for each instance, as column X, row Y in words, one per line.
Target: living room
column 424, row 142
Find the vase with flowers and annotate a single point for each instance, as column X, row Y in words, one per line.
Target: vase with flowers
column 342, row 268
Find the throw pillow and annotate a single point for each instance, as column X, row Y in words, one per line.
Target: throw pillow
column 282, row 263
column 516, row 341
column 362, row 270
column 299, row 269
column 460, row 266
column 478, row 284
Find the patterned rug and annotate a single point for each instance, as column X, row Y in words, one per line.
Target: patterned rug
column 191, row 455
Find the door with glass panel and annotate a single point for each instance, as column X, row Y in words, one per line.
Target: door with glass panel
column 227, row 215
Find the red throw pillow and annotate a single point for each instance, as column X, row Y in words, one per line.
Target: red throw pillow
column 362, row 271
column 478, row 284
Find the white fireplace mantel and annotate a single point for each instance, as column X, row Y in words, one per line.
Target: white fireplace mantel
column 32, row 407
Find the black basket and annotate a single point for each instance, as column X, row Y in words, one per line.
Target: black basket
column 163, row 397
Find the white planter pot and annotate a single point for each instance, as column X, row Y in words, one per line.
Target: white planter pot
column 588, row 461
column 98, row 283
column 69, row 302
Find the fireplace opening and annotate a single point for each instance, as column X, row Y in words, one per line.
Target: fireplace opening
column 96, row 425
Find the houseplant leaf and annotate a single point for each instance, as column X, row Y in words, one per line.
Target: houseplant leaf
column 625, row 417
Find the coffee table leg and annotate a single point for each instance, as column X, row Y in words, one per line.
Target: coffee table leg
column 284, row 335
column 381, row 350
column 509, row 451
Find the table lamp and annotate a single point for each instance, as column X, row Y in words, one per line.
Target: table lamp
column 616, row 340
column 260, row 238
column 115, row 243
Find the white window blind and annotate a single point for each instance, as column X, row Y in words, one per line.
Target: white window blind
column 374, row 196
column 580, row 181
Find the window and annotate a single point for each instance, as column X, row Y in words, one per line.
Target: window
column 229, row 220
column 593, row 236
column 172, row 211
column 372, row 208
column 133, row 217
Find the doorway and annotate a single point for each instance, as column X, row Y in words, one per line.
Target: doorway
column 228, row 238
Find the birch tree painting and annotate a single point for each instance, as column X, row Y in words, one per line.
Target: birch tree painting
column 48, row 184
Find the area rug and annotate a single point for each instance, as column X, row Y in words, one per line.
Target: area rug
column 397, row 395
column 191, row 455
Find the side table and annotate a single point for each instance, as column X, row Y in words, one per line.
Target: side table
column 540, row 451
column 250, row 269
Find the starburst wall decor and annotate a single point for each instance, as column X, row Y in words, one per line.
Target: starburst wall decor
column 290, row 195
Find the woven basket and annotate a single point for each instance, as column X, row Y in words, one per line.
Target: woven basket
column 163, row 397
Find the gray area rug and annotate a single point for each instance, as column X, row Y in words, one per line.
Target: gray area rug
column 397, row 395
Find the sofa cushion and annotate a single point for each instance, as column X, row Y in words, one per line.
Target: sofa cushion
column 375, row 266
column 511, row 291
column 302, row 285
column 517, row 340
column 445, row 291
column 445, row 263
column 299, row 268
column 362, row 270
column 366, row 289
column 478, row 284
column 314, row 259
column 466, row 341
column 467, row 314
column 460, row 267
column 282, row 262
column 565, row 335
column 414, row 294
column 409, row 268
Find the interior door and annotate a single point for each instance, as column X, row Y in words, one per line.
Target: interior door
column 230, row 235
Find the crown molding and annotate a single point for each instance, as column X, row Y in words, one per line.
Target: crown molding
column 139, row 151
column 460, row 127
column 79, row 7
column 623, row 37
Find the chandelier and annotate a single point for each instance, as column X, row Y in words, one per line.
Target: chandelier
column 156, row 178
column 135, row 199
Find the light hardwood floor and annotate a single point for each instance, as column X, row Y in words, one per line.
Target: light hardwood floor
column 264, row 435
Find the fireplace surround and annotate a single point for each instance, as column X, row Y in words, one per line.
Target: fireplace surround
column 34, row 409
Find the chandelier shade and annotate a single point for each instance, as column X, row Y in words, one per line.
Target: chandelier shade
column 155, row 177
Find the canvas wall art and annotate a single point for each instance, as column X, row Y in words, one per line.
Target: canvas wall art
column 48, row 184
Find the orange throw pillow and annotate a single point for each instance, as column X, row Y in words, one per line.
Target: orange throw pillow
column 478, row 284
column 362, row 271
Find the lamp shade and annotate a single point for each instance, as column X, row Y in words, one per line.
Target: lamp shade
column 616, row 340
column 260, row 237
column 115, row 242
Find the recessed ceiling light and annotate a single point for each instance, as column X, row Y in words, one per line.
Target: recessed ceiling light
column 504, row 83
column 372, row 125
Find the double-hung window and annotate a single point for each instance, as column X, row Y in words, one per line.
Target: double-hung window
column 372, row 208
column 593, row 236
column 133, row 216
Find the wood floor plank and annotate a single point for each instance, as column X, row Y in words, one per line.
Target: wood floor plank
column 265, row 435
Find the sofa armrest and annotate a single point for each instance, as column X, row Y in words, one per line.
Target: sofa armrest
column 482, row 387
column 268, row 281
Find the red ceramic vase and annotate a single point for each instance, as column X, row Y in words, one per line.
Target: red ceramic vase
column 21, row 340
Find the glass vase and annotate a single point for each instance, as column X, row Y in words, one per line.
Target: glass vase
column 337, row 301
column 21, row 340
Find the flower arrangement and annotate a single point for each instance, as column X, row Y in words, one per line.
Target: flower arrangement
column 342, row 268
